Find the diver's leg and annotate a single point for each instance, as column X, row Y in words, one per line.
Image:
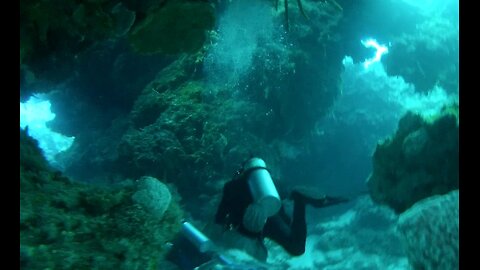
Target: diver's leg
column 291, row 236
column 298, row 235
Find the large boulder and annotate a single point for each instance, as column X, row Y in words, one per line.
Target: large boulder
column 153, row 196
column 429, row 232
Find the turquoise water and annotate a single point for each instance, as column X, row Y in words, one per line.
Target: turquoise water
column 352, row 98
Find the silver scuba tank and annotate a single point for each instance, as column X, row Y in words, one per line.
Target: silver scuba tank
column 261, row 186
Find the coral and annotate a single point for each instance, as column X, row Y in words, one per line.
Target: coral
column 153, row 195
column 430, row 232
column 151, row 102
column 421, row 160
column 66, row 224
column 178, row 26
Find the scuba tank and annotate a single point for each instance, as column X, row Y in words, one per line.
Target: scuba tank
column 261, row 186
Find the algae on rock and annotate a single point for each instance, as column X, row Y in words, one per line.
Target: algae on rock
column 420, row 161
column 71, row 225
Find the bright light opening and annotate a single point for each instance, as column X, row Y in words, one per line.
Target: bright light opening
column 380, row 50
column 35, row 113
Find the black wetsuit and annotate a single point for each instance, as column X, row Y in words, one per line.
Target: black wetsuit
column 290, row 233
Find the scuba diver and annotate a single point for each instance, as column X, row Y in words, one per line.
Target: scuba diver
column 251, row 205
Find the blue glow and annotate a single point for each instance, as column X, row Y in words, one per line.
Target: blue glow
column 430, row 7
column 380, row 50
column 35, row 113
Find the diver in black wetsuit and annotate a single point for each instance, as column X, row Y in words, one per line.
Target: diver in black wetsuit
column 251, row 205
